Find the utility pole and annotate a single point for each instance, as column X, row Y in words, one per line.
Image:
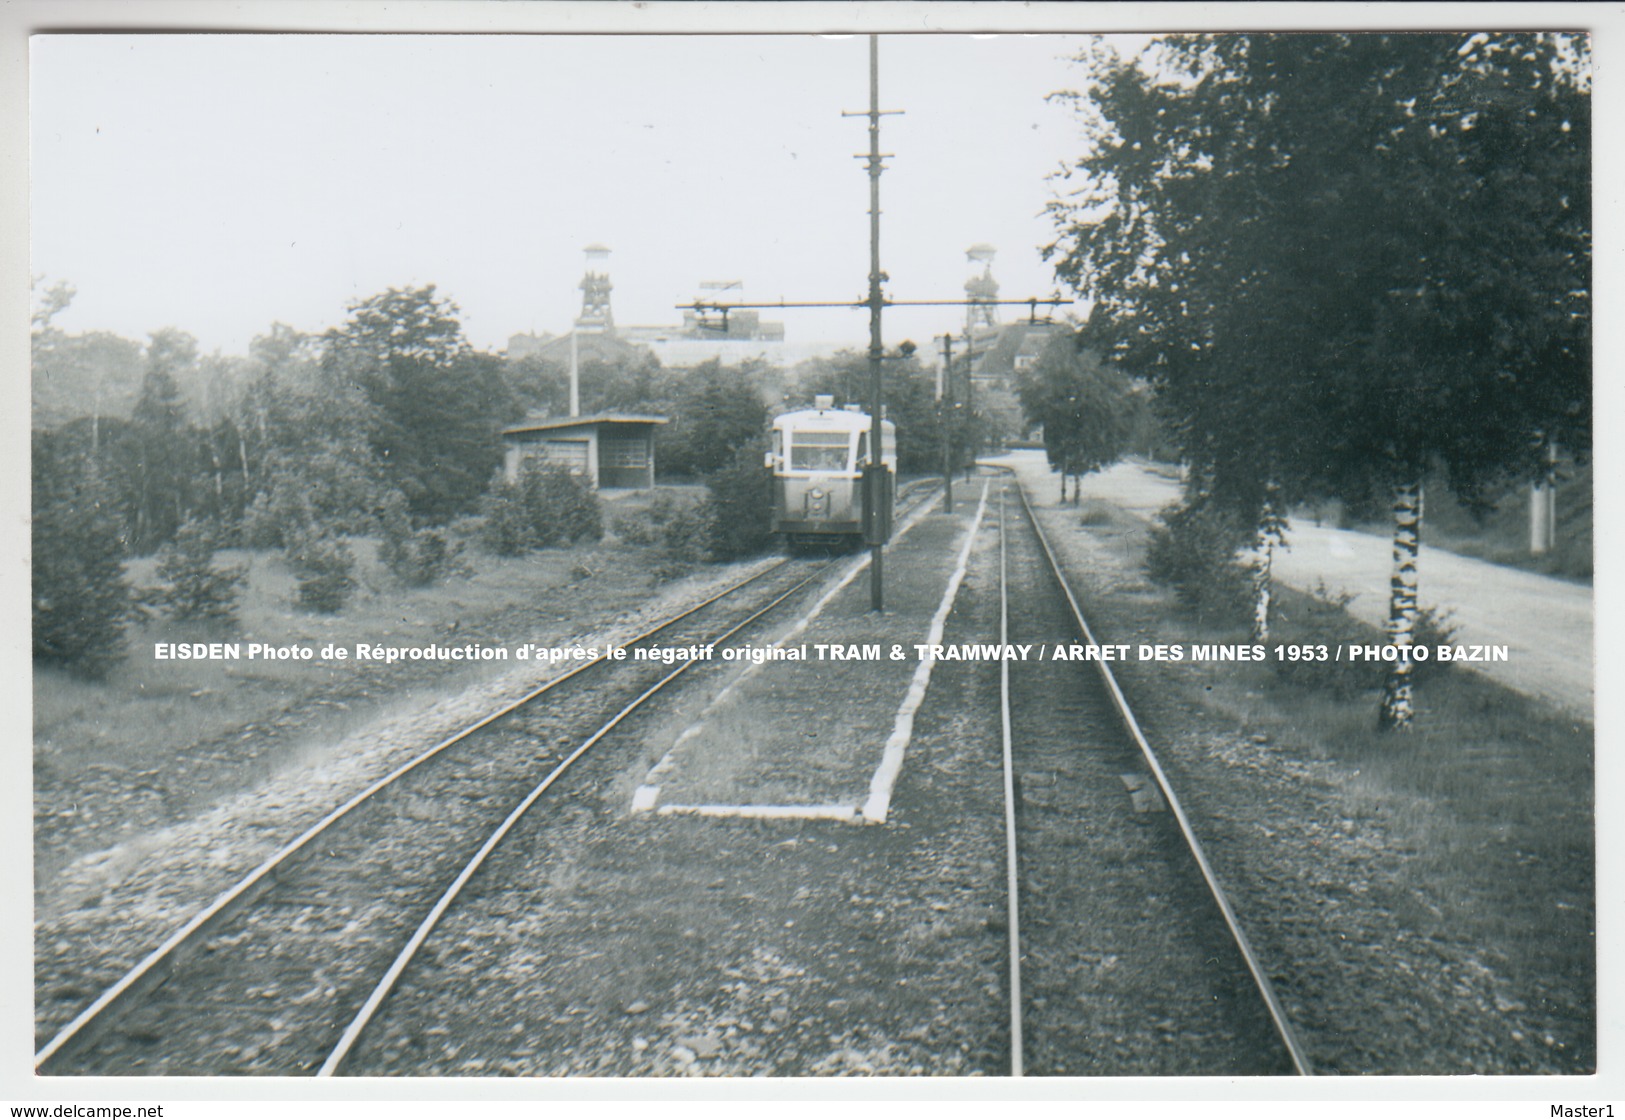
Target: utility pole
column 876, row 497
column 970, row 399
column 575, row 375
column 876, row 487
column 874, row 470
column 946, row 418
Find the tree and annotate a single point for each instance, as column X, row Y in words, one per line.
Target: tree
column 632, row 382
column 1345, row 260
column 80, row 598
column 95, row 375
column 1086, row 408
column 50, row 303
column 538, row 385
column 290, row 405
column 156, row 453
column 716, row 410
column 435, row 404
column 195, row 589
column 304, row 447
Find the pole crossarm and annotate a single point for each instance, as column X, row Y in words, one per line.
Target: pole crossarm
column 701, row 307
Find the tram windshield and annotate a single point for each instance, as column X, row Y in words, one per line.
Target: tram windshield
column 888, row 445
column 819, row 451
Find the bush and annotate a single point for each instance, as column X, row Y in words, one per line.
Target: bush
column 638, row 530
column 1095, row 513
column 321, row 491
column 505, row 528
column 196, row 590
column 80, row 598
column 416, row 557
column 647, row 527
column 669, row 568
column 548, row 507
column 568, row 504
column 1194, row 552
column 325, row 567
column 1323, row 619
column 682, row 530
column 741, row 506
column 729, row 523
column 686, row 537
column 275, row 517
column 1433, row 628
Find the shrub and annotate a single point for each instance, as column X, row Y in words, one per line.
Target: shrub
column 323, row 490
column 1433, row 628
column 567, row 504
column 416, row 557
column 730, row 522
column 80, row 598
column 325, row 567
column 1323, row 619
column 741, row 505
column 638, row 530
column 670, row 568
column 275, row 517
column 196, row 590
column 547, row 507
column 505, row 529
column 1194, row 552
column 687, row 535
column 649, row 525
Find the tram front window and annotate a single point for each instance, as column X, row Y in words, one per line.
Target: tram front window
column 819, row 451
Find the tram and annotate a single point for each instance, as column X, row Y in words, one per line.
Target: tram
column 817, row 459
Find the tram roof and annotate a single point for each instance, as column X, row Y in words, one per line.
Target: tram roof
column 836, row 419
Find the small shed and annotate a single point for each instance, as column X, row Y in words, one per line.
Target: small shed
column 613, row 450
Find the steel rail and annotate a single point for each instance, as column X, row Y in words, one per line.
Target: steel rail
column 1283, row 1027
column 386, row 985
column 1011, row 882
column 158, row 964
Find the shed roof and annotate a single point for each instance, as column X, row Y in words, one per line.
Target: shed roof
column 600, row 418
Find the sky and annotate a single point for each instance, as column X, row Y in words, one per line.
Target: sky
column 221, row 183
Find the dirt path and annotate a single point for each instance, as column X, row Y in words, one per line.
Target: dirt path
column 1547, row 624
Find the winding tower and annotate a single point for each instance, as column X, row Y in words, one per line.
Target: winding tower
column 981, row 314
column 595, row 315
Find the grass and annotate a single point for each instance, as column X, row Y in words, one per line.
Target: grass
column 1437, row 884
column 1488, row 801
column 146, row 710
column 1501, row 535
column 1094, row 512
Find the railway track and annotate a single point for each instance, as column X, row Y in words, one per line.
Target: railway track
column 263, row 977
column 280, row 973
column 1126, row 954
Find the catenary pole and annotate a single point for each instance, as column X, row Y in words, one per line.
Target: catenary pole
column 876, row 303
column 946, row 419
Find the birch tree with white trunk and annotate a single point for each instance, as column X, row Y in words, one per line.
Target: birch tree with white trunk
column 1347, row 262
